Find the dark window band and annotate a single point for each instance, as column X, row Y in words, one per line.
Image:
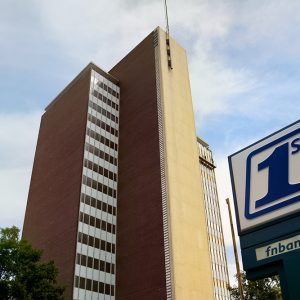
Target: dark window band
column 102, row 124
column 100, row 154
column 96, row 243
column 98, row 137
column 98, row 204
column 100, row 170
column 103, row 111
column 95, row 263
column 105, row 100
column 99, row 186
column 95, row 286
column 108, row 89
column 95, row 222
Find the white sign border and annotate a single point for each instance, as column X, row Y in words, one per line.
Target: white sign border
column 242, row 228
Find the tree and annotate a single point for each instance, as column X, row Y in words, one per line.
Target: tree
column 263, row 289
column 22, row 275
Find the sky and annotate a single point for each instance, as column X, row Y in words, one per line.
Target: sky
column 244, row 62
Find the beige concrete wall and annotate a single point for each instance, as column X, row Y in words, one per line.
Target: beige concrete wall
column 191, row 273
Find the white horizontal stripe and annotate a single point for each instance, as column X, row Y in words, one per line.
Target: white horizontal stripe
column 98, row 177
column 97, row 195
column 98, row 233
column 101, row 146
column 104, row 105
column 104, row 93
column 101, row 162
column 96, row 253
column 94, row 274
column 105, row 119
column 92, row 211
column 102, row 132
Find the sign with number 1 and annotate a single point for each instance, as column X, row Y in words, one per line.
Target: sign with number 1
column 266, row 178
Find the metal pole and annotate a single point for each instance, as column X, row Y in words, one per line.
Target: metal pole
column 237, row 264
column 167, row 19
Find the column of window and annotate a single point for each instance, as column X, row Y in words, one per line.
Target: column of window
column 214, row 226
column 95, row 263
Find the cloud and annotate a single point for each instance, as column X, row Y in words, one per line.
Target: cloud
column 231, row 45
column 18, row 135
column 245, row 61
column 14, row 188
column 217, row 87
column 271, row 26
column 230, row 145
column 224, row 192
column 101, row 31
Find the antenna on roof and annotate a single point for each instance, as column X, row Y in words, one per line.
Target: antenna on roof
column 168, row 36
column 167, row 19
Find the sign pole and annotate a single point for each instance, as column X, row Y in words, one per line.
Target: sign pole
column 238, row 272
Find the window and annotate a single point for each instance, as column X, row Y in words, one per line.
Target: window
column 96, row 243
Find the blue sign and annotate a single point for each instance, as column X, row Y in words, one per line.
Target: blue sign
column 266, row 178
column 280, row 191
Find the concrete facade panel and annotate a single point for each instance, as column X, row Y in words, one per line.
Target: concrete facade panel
column 191, row 272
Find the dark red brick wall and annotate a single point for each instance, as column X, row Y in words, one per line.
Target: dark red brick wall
column 140, row 252
column 51, row 218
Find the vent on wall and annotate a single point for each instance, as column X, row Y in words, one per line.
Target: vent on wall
column 169, row 52
column 164, row 188
column 155, row 38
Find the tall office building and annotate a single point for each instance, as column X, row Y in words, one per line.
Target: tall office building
column 213, row 222
column 115, row 198
column 72, row 203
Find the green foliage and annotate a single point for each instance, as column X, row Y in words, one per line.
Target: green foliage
column 22, row 275
column 263, row 289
